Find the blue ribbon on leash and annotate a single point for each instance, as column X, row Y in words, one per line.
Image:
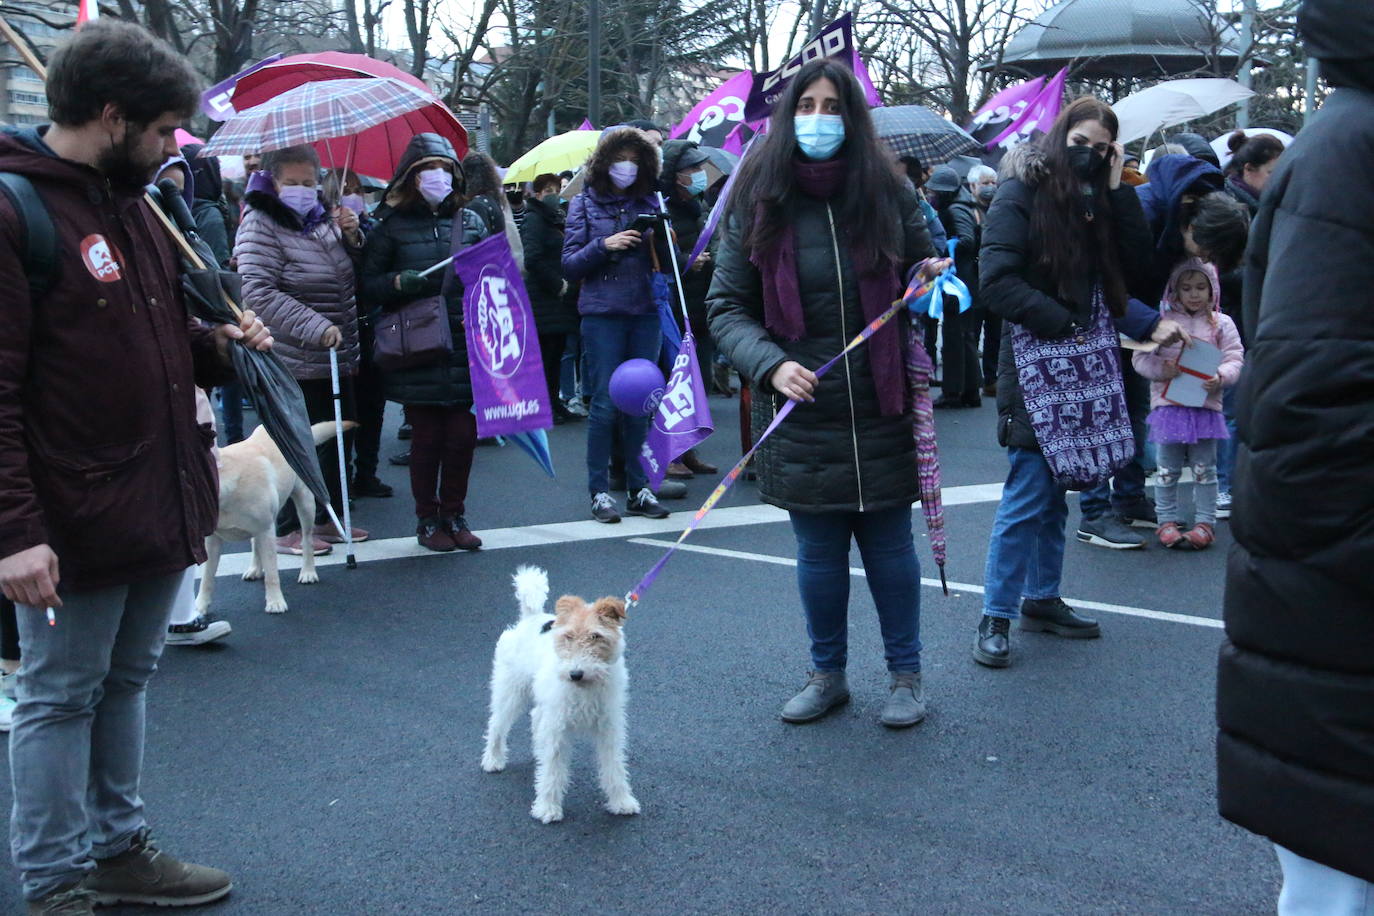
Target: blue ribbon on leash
column 947, row 284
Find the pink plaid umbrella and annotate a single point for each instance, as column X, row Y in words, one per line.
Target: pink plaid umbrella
column 323, row 111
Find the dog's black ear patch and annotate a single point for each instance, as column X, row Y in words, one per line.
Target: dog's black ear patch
column 546, row 627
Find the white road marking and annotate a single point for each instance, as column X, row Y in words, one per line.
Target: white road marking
column 234, row 564
column 935, row 583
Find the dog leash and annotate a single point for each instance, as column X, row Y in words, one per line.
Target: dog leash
column 915, row 293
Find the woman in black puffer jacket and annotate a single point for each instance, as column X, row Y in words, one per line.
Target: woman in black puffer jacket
column 820, row 231
column 421, row 221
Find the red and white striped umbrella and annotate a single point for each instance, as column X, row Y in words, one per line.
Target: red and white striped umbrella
column 319, row 111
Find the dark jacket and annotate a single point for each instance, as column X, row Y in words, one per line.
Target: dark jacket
column 300, row 283
column 542, row 235
column 209, row 208
column 490, row 212
column 411, row 236
column 101, row 456
column 688, row 217
column 1295, row 682
column 838, row 454
column 961, row 221
column 1171, row 177
column 613, row 283
column 1014, row 285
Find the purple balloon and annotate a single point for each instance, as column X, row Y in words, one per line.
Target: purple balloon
column 637, row 386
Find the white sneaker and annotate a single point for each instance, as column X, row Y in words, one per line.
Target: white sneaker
column 7, row 705
column 576, row 407
column 8, row 683
column 1223, row 505
column 198, row 632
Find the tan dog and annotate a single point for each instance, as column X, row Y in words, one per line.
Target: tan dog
column 254, row 484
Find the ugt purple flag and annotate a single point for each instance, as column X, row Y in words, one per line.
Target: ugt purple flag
column 509, row 394
column 683, row 417
column 835, row 41
column 1037, row 117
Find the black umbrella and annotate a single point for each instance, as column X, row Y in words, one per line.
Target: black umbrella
column 915, row 131
column 211, row 294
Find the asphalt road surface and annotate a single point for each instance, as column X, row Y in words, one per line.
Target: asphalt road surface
column 328, row 757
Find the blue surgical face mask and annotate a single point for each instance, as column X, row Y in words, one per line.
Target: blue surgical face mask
column 698, row 185
column 819, row 135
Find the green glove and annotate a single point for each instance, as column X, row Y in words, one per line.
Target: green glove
column 411, row 283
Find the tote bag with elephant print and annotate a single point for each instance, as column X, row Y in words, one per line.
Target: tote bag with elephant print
column 1076, row 399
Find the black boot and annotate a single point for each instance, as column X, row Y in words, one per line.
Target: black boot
column 993, row 645
column 1052, row 615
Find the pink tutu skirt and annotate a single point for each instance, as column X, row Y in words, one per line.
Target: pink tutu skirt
column 1172, row 423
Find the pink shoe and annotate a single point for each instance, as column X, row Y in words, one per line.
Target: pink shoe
column 291, row 545
column 1200, row 537
column 330, row 535
column 1169, row 534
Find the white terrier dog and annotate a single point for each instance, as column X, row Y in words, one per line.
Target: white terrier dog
column 571, row 666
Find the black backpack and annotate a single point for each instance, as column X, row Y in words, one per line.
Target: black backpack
column 39, row 234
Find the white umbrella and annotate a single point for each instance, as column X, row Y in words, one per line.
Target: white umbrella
column 1166, row 104
column 1223, row 151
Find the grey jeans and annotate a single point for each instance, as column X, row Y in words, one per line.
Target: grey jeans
column 76, row 748
column 1201, row 456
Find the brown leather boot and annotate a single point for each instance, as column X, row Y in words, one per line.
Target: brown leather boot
column 696, row 465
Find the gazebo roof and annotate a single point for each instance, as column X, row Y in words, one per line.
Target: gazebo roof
column 1122, row 38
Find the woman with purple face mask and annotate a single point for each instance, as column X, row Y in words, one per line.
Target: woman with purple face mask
column 296, row 260
column 619, row 316
column 419, row 220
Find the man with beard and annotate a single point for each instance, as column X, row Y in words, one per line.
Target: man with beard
column 107, row 486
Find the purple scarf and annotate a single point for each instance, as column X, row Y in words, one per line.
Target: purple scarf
column 782, row 308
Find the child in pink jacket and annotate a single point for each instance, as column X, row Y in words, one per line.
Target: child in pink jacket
column 1189, row 435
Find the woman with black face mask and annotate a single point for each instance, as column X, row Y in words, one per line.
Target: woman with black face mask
column 1063, row 242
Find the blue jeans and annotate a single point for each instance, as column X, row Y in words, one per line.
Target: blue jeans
column 607, row 341
column 1226, row 448
column 76, row 750
column 570, row 370
column 1313, row 889
column 1026, row 550
column 231, row 414
column 894, row 580
column 1127, row 486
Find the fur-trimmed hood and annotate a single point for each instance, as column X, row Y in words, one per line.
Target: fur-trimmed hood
column 646, row 155
column 1026, row 162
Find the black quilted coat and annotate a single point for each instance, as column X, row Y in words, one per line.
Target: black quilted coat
column 839, row 453
column 1295, row 683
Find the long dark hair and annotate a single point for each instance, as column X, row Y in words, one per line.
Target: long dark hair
column 482, row 178
column 766, row 190
column 1074, row 234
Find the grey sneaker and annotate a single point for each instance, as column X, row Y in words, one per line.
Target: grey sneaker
column 1110, row 532
column 73, row 900
column 1223, row 505
column 198, row 632
column 905, row 704
column 146, row 876
column 824, row 691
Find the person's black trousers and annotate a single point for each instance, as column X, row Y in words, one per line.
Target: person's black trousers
column 371, row 405
column 960, row 354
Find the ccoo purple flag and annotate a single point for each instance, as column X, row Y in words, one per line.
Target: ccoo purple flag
column 1037, row 117
column 683, row 417
column 509, row 393
column 715, row 116
column 836, row 41
column 1003, row 110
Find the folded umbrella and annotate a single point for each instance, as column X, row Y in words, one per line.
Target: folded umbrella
column 534, row 443
column 211, row 295
column 912, row 130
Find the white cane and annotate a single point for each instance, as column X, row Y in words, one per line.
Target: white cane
column 672, row 255
column 347, row 528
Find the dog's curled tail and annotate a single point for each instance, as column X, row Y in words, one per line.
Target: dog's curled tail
column 531, row 589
